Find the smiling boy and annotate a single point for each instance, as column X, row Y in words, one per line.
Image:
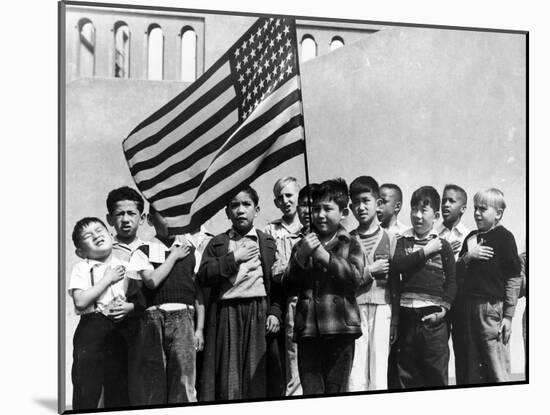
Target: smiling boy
column 326, row 269
column 428, row 287
column 490, row 267
column 95, row 284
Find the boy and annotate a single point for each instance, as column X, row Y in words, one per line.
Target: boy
column 125, row 214
column 451, row 228
column 170, row 338
column 428, row 288
column 95, row 285
column 326, row 269
column 370, row 364
column 490, row 268
column 286, row 232
column 391, row 199
column 241, row 359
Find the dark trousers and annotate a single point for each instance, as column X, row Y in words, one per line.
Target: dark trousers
column 324, row 364
column 457, row 330
column 421, row 352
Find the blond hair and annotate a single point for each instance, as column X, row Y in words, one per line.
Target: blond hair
column 282, row 182
column 491, row 197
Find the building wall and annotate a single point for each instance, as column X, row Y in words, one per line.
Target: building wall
column 405, row 105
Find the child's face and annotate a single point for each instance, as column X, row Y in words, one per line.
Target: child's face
column 303, row 212
column 286, row 200
column 242, row 211
column 486, row 216
column 388, row 206
column 126, row 219
column 363, row 206
column 422, row 219
column 453, row 206
column 157, row 221
column 326, row 216
column 95, row 242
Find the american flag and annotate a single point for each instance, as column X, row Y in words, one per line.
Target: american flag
column 240, row 119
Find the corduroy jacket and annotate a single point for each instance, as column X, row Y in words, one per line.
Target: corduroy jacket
column 326, row 296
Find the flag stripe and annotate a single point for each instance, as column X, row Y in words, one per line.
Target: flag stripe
column 208, row 78
column 242, row 168
column 271, row 162
column 179, row 119
column 186, row 146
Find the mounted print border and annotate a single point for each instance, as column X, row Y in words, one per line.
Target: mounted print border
column 404, row 103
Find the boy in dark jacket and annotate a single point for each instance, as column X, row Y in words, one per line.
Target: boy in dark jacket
column 325, row 270
column 428, row 286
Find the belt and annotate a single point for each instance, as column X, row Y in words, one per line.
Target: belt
column 171, row 307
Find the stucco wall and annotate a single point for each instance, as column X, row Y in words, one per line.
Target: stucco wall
column 405, row 105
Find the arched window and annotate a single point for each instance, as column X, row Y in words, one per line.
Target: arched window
column 309, row 48
column 122, row 50
column 188, row 54
column 336, row 42
column 86, row 52
column 155, row 46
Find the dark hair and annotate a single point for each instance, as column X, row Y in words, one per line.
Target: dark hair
column 457, row 189
column 124, row 193
column 395, row 187
column 427, row 196
column 250, row 191
column 335, row 190
column 81, row 225
column 364, row 184
column 304, row 191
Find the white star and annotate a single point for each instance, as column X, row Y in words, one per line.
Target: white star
column 273, row 56
column 249, row 96
column 275, row 69
column 289, row 56
column 243, row 89
column 245, row 59
column 259, row 32
column 265, row 25
column 255, row 65
column 286, row 30
column 266, row 64
column 253, row 53
column 271, row 43
column 261, row 84
column 281, row 50
column 243, row 116
column 271, row 19
column 278, row 22
column 241, row 78
column 256, row 103
column 268, row 77
column 289, row 70
column 251, row 39
column 237, row 52
column 281, row 76
column 244, row 45
column 238, row 66
column 255, row 90
column 260, row 45
column 260, row 69
column 282, row 65
column 279, row 37
column 288, row 43
column 248, row 71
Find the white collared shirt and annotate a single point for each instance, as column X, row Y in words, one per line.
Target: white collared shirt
column 87, row 273
column 398, row 229
column 457, row 233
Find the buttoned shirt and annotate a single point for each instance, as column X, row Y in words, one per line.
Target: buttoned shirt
column 248, row 281
column 285, row 237
column 457, row 233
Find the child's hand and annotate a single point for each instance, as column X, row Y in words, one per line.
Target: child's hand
column 393, row 334
column 180, row 252
column 115, row 274
column 310, row 243
column 380, row 266
column 433, row 246
column 272, row 325
column 246, row 253
column 481, row 252
column 505, row 330
column 434, row 317
column 456, row 245
column 120, row 311
column 199, row 340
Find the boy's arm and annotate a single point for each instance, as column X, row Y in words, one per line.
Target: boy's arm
column 512, row 268
column 404, row 262
column 152, row 279
column 295, row 272
column 200, row 313
column 449, row 270
column 83, row 298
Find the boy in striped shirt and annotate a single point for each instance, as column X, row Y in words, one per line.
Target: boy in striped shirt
column 370, row 363
column 427, row 267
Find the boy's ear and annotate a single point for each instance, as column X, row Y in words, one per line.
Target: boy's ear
column 397, row 207
column 141, row 219
column 462, row 209
column 149, row 219
column 109, row 219
column 79, row 253
column 257, row 209
column 437, row 215
column 500, row 213
column 227, row 212
column 345, row 211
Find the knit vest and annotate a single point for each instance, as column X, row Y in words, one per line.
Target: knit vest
column 178, row 286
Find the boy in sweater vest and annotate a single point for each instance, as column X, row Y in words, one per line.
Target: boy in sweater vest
column 170, row 338
column 428, row 287
column 370, row 363
column 490, row 268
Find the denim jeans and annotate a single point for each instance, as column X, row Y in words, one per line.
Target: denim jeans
column 168, row 357
column 325, row 364
column 421, row 351
column 487, row 358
